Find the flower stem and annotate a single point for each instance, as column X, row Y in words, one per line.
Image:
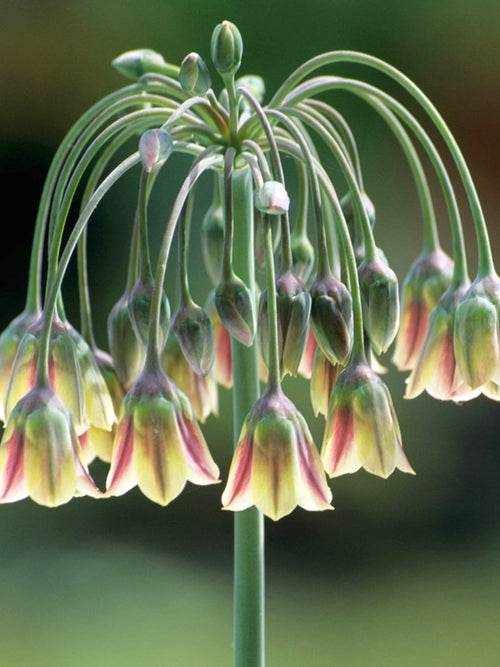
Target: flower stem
column 248, row 524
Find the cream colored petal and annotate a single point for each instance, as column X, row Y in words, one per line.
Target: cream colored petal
column 238, row 492
column 314, row 492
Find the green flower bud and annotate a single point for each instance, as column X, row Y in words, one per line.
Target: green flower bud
column 212, row 240
column 331, row 318
column 195, row 334
column 380, row 300
column 226, row 48
column 293, row 303
column 272, row 198
column 155, row 147
column 477, row 333
column 139, row 307
column 194, row 76
column 254, row 83
column 136, row 63
column 234, row 303
column 126, row 349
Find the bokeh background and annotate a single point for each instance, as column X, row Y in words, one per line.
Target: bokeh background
column 406, row 571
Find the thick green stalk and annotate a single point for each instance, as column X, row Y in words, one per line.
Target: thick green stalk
column 248, row 524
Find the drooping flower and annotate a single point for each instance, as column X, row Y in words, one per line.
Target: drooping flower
column 477, row 332
column 436, row 367
column 362, row 429
column 428, row 277
column 158, row 443
column 331, row 317
column 73, row 372
column 276, row 465
column 40, row 455
column 201, row 390
column 9, row 345
column 126, row 349
column 223, row 365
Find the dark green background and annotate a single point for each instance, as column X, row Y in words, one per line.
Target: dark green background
column 405, row 571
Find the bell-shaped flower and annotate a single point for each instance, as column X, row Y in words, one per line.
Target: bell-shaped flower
column 276, row 465
column 380, row 299
column 40, row 455
column 362, row 429
column 158, row 444
column 9, row 345
column 323, row 378
column 436, row 368
column 477, row 334
column 429, row 276
column 293, row 304
column 331, row 317
column 73, row 371
column 201, row 390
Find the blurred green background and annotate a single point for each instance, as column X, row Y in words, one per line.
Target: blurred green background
column 405, row 571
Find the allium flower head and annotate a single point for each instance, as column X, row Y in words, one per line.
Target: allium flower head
column 361, row 429
column 158, row 444
column 40, row 455
column 436, row 367
column 429, row 276
column 477, row 333
column 276, row 465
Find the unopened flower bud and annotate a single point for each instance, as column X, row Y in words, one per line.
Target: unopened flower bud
column 155, row 147
column 212, row 240
column 136, row 63
column 477, row 335
column 194, row 76
column 380, row 299
column 126, row 349
column 272, row 198
column 139, row 306
column 234, row 303
column 293, row 303
column 253, row 83
column 195, row 334
column 331, row 318
column 226, row 48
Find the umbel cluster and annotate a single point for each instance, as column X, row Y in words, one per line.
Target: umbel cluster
column 328, row 306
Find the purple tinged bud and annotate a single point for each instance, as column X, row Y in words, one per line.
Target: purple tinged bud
column 380, row 300
column 194, row 76
column 195, row 334
column 234, row 303
column 293, row 303
column 226, row 48
column 331, row 318
column 139, row 306
column 272, row 198
column 155, row 147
